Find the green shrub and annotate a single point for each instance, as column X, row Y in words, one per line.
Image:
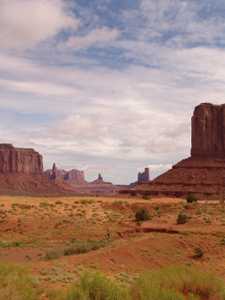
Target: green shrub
column 79, row 247
column 5, row 244
column 191, row 198
column 52, row 254
column 142, row 215
column 95, row 286
column 198, row 253
column 16, row 284
column 182, row 218
column 175, row 282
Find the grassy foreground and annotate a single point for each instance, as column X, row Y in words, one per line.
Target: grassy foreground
column 174, row 283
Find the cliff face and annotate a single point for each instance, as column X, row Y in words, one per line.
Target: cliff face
column 208, row 131
column 19, row 160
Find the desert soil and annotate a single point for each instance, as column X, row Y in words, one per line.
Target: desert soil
column 33, row 230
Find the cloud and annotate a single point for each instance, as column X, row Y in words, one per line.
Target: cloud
column 114, row 109
column 176, row 23
column 38, row 88
column 25, row 23
column 97, row 37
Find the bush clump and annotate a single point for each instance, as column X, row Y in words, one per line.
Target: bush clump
column 182, row 218
column 191, row 198
column 79, row 247
column 96, row 286
column 198, row 253
column 16, row 284
column 173, row 283
column 52, row 254
column 142, row 215
column 178, row 283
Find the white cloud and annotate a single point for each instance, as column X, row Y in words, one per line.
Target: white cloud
column 38, row 88
column 25, row 23
column 135, row 113
column 96, row 37
column 138, row 113
column 175, row 23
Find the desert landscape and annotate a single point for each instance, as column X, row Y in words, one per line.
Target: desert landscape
column 79, row 240
column 59, row 238
column 112, row 150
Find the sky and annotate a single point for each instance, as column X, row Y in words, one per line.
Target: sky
column 108, row 85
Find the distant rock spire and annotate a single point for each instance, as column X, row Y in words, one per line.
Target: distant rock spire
column 144, row 177
column 100, row 178
column 54, row 171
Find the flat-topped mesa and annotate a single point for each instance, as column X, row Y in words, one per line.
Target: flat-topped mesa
column 208, row 131
column 20, row 160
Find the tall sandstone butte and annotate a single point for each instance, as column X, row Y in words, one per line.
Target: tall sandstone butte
column 208, row 131
column 203, row 173
column 19, row 160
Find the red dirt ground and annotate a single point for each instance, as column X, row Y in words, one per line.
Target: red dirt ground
column 33, row 227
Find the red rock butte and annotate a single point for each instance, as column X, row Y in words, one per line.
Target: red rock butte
column 19, row 160
column 208, row 131
column 21, row 173
column 203, row 173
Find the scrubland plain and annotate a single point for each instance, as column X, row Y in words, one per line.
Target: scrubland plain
column 62, row 240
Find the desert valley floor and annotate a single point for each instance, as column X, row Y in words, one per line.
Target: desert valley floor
column 50, row 236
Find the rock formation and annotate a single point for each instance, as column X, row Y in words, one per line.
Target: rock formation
column 100, row 178
column 19, row 160
column 143, row 177
column 75, row 179
column 208, row 131
column 203, row 173
column 71, row 177
column 75, row 176
column 100, row 181
column 21, row 172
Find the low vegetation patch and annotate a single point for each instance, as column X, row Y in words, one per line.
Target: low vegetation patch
column 174, row 283
column 53, row 254
column 7, row 244
column 142, row 215
column 182, row 218
column 96, row 286
column 17, row 284
column 198, row 253
column 191, row 198
column 77, row 247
